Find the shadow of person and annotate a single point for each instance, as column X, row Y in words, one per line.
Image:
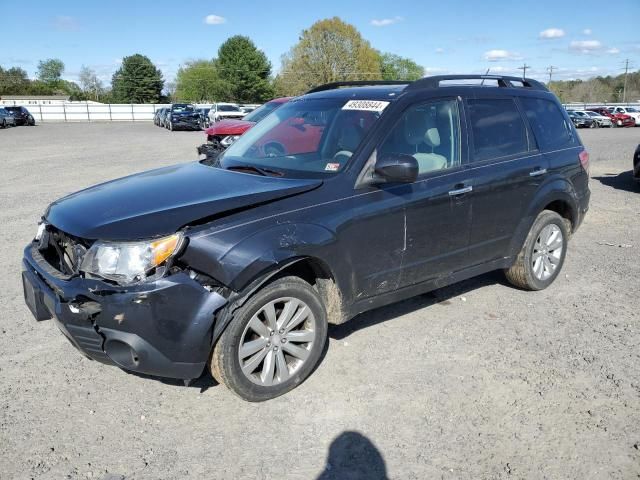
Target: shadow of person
column 623, row 181
column 352, row 456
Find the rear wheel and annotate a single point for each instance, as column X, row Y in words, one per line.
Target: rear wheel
column 4, row 123
column 543, row 253
column 274, row 341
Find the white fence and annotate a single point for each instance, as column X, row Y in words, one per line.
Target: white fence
column 95, row 112
column 143, row 112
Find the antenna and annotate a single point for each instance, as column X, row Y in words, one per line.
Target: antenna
column 486, row 73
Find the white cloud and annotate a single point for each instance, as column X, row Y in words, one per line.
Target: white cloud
column 214, row 20
column 439, row 50
column 550, row 33
column 496, row 55
column 585, row 46
column 613, row 51
column 383, row 22
column 587, row 31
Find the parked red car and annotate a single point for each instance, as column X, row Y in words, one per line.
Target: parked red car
column 618, row 119
column 223, row 133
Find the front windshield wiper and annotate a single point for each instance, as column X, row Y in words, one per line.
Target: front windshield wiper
column 266, row 172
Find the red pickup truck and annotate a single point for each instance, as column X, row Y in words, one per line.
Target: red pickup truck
column 223, row 133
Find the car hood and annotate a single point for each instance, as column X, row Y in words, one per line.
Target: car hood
column 160, row 202
column 229, row 127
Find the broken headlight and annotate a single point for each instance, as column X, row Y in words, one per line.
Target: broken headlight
column 129, row 262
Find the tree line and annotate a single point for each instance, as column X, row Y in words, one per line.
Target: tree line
column 330, row 50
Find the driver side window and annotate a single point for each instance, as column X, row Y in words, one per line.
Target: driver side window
column 430, row 132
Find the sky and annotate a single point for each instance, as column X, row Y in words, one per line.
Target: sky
column 580, row 39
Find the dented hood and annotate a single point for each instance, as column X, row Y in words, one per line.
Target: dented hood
column 159, row 202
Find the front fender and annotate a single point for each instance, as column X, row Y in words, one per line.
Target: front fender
column 237, row 260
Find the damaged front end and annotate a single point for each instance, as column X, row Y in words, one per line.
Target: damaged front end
column 161, row 325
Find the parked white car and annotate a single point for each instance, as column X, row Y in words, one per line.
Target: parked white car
column 601, row 120
column 631, row 111
column 222, row 111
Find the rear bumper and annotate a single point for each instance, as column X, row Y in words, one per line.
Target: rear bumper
column 161, row 328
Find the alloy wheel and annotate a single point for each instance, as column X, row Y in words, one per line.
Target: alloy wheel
column 547, row 252
column 277, row 341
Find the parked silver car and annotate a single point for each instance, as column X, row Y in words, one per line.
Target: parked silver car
column 6, row 119
column 600, row 120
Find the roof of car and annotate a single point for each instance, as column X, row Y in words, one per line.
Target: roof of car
column 375, row 92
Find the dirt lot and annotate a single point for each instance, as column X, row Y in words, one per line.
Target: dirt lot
column 477, row 380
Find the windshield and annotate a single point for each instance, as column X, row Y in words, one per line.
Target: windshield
column 593, row 114
column 317, row 135
column 228, row 108
column 261, row 112
column 631, row 109
column 182, row 108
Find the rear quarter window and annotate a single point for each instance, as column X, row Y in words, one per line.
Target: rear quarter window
column 549, row 125
column 498, row 128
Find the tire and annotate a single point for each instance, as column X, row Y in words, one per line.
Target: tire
column 4, row 123
column 287, row 371
column 170, row 127
column 538, row 265
column 619, row 123
column 31, row 121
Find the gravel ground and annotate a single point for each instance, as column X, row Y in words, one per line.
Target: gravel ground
column 477, row 380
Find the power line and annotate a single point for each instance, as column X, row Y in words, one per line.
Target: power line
column 524, row 70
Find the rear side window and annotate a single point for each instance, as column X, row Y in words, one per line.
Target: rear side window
column 549, row 125
column 498, row 128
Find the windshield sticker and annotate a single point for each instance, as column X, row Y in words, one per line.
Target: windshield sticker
column 332, row 167
column 366, row 105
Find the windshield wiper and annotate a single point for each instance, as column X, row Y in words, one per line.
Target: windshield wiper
column 259, row 170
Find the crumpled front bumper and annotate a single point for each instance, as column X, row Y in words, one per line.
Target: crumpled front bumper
column 163, row 327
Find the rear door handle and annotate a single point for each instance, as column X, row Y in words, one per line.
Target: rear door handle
column 460, row 191
column 537, row 172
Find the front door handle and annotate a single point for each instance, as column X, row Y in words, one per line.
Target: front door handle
column 460, row 191
column 537, row 172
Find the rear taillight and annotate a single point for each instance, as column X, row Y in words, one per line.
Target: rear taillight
column 584, row 160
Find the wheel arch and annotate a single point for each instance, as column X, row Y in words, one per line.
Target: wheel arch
column 557, row 195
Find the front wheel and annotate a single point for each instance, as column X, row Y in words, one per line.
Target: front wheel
column 542, row 255
column 274, row 341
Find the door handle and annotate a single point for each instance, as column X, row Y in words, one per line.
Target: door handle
column 537, row 172
column 460, row 191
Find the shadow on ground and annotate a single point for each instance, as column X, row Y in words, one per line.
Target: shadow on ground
column 623, row 181
column 353, row 456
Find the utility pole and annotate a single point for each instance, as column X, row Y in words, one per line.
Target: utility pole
column 624, row 89
column 550, row 69
column 524, row 70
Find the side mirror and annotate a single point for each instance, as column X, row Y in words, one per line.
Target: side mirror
column 396, row 168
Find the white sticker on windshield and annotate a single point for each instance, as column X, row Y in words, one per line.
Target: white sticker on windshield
column 367, row 105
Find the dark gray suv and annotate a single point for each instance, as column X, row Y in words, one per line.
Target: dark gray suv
column 345, row 199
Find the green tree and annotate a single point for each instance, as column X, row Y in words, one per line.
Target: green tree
column 395, row 67
column 50, row 71
column 246, row 70
column 200, row 82
column 138, row 80
column 13, row 81
column 329, row 51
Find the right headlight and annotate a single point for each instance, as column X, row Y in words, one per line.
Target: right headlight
column 129, row 262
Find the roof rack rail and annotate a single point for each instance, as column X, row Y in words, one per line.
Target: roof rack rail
column 503, row 81
column 356, row 83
